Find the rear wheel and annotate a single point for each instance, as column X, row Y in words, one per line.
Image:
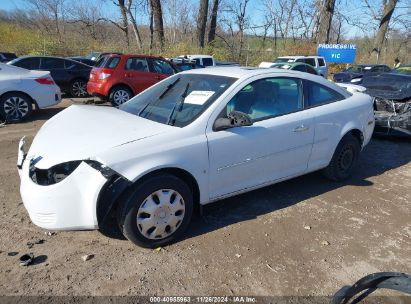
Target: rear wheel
column 78, row 88
column 15, row 107
column 344, row 159
column 156, row 212
column 119, row 95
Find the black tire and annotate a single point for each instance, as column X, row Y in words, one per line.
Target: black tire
column 78, row 88
column 344, row 159
column 119, row 95
column 15, row 107
column 138, row 196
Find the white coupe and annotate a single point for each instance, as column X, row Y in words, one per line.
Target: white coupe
column 194, row 138
column 22, row 90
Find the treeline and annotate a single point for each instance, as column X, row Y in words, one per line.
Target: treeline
column 238, row 30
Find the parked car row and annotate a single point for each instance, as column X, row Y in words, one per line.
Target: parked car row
column 21, row 90
column 71, row 76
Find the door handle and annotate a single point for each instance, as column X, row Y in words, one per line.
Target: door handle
column 128, row 75
column 301, row 128
column 157, row 77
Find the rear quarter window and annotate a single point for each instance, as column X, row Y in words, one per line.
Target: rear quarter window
column 320, row 95
column 112, row 62
column 28, row 63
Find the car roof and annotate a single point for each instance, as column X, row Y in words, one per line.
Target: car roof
column 132, row 55
column 241, row 72
column 196, row 55
column 28, row 56
column 369, row 65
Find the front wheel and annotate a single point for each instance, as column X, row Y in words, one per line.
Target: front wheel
column 15, row 107
column 344, row 159
column 156, row 212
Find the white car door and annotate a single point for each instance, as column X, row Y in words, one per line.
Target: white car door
column 276, row 146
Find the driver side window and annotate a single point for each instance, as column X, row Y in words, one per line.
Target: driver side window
column 267, row 98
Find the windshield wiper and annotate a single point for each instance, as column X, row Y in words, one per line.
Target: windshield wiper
column 169, row 87
column 180, row 105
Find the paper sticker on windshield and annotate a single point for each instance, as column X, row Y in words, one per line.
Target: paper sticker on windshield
column 198, row 97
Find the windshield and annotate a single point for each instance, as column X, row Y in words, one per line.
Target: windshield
column 178, row 100
column 284, row 60
column 405, row 70
column 281, row 66
column 355, row 69
column 92, row 55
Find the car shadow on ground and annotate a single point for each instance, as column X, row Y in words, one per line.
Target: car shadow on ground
column 44, row 114
column 379, row 156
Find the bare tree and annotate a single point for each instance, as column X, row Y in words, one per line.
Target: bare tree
column 326, row 17
column 133, row 22
column 50, row 10
column 202, row 22
column 387, row 12
column 213, row 21
column 155, row 6
column 89, row 19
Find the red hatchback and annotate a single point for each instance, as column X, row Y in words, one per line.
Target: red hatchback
column 120, row 77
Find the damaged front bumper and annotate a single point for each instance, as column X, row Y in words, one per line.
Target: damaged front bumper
column 392, row 117
column 69, row 204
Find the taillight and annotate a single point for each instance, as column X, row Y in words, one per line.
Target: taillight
column 105, row 74
column 45, row 80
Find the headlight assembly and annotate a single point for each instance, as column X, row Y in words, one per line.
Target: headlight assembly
column 57, row 173
column 53, row 175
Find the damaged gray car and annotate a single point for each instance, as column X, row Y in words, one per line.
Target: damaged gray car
column 392, row 103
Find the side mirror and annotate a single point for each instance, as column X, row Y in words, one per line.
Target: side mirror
column 234, row 119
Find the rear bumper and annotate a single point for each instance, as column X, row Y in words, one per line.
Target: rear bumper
column 97, row 89
column 46, row 98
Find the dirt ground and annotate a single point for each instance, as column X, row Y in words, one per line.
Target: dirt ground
column 252, row 244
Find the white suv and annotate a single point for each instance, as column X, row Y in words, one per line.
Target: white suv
column 204, row 60
column 317, row 62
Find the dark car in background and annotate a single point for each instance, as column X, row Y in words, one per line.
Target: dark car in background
column 184, row 64
column 83, row 60
column 294, row 66
column 71, row 76
column 392, row 102
column 5, row 56
column 354, row 74
column 93, row 57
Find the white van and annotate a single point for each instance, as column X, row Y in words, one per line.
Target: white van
column 204, row 60
column 317, row 62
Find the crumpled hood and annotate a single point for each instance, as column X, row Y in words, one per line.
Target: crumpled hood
column 82, row 132
column 346, row 76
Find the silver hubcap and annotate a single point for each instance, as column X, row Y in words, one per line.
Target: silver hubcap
column 120, row 97
column 79, row 89
column 16, row 108
column 161, row 213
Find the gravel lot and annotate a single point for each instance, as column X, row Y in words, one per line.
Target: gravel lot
column 252, row 244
